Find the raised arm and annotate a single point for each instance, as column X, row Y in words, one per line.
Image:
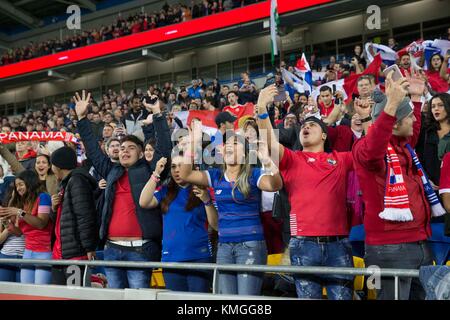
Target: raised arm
column 101, row 162
column 271, row 180
column 416, row 90
column 444, row 68
column 372, row 148
column 16, row 166
column 163, row 147
column 147, row 199
column 266, row 96
column 186, row 173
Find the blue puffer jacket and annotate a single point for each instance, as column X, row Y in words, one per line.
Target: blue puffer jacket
column 149, row 219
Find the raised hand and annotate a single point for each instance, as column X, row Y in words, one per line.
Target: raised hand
column 149, row 119
column 416, row 84
column 396, row 91
column 81, row 104
column 153, row 108
column 266, row 96
column 160, row 165
column 363, row 107
column 263, row 153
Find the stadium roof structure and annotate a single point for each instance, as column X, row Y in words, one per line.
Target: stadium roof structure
column 311, row 12
column 22, row 15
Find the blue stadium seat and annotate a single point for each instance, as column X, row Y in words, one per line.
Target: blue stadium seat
column 356, row 237
column 439, row 243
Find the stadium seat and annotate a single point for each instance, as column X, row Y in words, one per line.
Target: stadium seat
column 439, row 243
column 157, row 281
column 274, row 259
column 358, row 284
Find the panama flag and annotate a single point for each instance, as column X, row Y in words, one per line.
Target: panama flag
column 207, row 117
column 388, row 56
column 303, row 68
column 274, row 23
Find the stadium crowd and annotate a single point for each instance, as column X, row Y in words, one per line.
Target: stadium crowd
column 138, row 185
column 123, row 26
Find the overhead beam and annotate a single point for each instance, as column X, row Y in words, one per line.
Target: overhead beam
column 88, row 4
column 19, row 15
column 21, row 3
column 152, row 54
column 58, row 75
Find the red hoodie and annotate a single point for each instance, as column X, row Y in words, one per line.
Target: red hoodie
column 369, row 161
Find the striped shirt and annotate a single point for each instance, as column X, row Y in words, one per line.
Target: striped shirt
column 13, row 246
column 239, row 219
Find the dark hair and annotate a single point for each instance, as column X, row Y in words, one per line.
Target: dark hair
column 325, row 88
column 49, row 171
column 430, row 122
column 172, row 192
column 234, row 92
column 134, row 139
column 152, row 142
column 34, row 188
column 430, row 66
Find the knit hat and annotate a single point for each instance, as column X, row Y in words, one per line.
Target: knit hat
column 380, row 100
column 64, row 158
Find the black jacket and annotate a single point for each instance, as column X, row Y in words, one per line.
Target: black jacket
column 150, row 220
column 78, row 224
column 427, row 151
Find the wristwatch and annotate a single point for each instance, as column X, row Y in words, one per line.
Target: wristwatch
column 369, row 118
column 21, row 214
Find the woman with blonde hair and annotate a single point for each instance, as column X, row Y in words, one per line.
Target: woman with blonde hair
column 237, row 189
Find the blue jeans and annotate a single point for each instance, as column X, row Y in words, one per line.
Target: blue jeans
column 400, row 256
column 36, row 275
column 120, row 278
column 188, row 280
column 247, row 253
column 305, row 252
column 9, row 273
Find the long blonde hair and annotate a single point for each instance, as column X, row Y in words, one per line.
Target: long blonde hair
column 242, row 183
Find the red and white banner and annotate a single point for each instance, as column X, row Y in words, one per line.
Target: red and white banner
column 207, row 118
column 12, row 137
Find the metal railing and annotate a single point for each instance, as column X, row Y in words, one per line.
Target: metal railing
column 216, row 268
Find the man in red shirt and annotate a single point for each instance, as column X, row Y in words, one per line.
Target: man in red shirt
column 131, row 233
column 391, row 243
column 326, row 104
column 319, row 227
column 405, row 64
column 234, row 107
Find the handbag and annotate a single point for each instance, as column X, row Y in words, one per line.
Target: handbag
column 281, row 207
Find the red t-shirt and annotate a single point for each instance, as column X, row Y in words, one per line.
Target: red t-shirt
column 444, row 185
column 124, row 222
column 38, row 240
column 326, row 111
column 316, row 184
column 57, row 248
column 436, row 82
column 237, row 111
